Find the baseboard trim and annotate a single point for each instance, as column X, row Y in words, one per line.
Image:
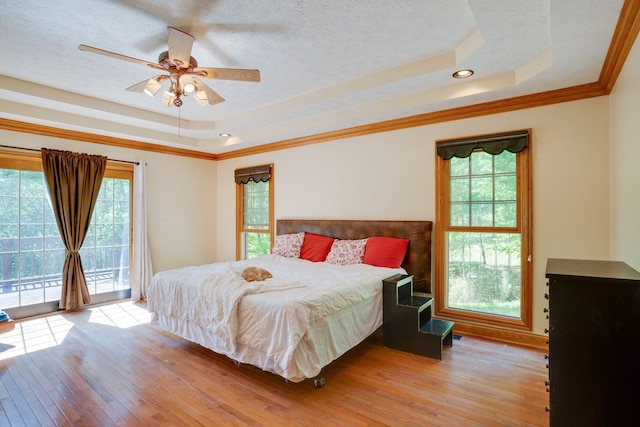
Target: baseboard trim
column 513, row 337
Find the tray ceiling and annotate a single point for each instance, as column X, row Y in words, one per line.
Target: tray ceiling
column 325, row 65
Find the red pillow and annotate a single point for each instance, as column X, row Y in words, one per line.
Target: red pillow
column 385, row 251
column 315, row 247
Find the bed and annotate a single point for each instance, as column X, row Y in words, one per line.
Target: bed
column 308, row 313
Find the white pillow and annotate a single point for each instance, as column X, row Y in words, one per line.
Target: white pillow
column 288, row 245
column 347, row 252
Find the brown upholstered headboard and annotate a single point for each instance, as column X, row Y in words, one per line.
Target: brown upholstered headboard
column 418, row 258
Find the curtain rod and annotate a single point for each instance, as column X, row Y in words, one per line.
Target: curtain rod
column 38, row 151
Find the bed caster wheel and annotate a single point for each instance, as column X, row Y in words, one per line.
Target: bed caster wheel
column 319, row 382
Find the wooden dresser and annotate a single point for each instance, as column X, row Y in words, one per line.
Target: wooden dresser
column 594, row 351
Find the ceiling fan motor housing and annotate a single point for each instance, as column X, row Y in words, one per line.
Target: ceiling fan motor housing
column 163, row 59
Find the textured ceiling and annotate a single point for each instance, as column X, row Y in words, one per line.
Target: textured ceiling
column 324, row 64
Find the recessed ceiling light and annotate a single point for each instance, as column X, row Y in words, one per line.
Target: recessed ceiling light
column 224, row 134
column 463, row 74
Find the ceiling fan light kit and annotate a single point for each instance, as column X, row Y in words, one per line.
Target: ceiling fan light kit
column 152, row 87
column 187, row 83
column 201, row 97
column 183, row 70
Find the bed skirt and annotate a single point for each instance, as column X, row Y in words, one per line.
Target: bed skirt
column 326, row 339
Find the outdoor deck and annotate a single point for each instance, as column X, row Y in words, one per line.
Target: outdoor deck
column 36, row 291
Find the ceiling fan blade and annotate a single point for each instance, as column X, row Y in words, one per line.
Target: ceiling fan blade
column 119, row 56
column 150, row 86
column 180, row 44
column 138, row 87
column 228, row 74
column 205, row 95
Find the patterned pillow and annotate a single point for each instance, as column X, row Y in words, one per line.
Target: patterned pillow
column 288, row 245
column 346, row 252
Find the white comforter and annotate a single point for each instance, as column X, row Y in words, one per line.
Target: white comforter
column 264, row 323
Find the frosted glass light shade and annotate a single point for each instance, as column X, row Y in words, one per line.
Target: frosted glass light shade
column 153, row 87
column 187, row 83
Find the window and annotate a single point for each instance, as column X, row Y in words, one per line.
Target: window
column 483, row 226
column 32, row 252
column 254, row 211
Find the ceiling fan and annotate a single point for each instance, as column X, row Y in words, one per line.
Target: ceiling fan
column 183, row 73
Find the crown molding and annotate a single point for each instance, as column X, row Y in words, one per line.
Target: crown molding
column 32, row 128
column 622, row 41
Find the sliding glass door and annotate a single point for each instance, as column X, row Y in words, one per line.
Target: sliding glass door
column 32, row 252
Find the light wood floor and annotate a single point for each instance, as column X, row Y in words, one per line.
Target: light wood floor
column 108, row 366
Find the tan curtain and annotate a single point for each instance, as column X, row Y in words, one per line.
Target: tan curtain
column 73, row 181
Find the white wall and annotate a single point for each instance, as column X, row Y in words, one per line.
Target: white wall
column 625, row 162
column 363, row 178
column 391, row 176
column 181, row 198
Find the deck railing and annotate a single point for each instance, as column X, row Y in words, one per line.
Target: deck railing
column 27, row 263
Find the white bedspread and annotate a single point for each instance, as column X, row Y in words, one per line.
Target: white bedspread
column 290, row 324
